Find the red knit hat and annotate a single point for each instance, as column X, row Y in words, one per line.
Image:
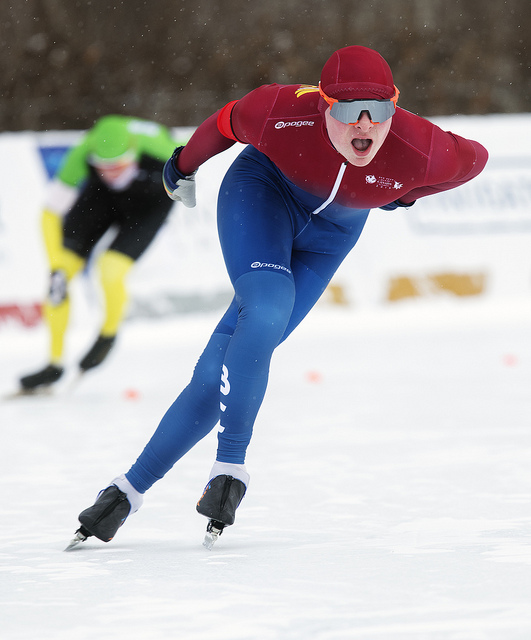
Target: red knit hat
column 357, row 73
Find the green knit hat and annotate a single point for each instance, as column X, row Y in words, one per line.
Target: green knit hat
column 110, row 140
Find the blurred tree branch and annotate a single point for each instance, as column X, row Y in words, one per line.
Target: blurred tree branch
column 64, row 63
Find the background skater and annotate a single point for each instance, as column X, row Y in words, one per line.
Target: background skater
column 112, row 178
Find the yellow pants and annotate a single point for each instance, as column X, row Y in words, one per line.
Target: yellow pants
column 113, row 269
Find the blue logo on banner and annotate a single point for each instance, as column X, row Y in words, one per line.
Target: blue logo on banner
column 52, row 158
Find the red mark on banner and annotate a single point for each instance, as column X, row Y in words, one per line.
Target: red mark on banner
column 29, row 315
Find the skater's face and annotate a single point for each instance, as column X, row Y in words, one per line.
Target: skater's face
column 358, row 143
column 117, row 174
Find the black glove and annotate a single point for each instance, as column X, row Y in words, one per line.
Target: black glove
column 395, row 204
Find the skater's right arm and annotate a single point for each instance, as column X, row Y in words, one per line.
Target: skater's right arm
column 179, row 171
column 207, row 141
column 238, row 121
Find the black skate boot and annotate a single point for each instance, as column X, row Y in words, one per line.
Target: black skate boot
column 97, row 353
column 111, row 509
column 219, row 502
column 104, row 518
column 41, row 380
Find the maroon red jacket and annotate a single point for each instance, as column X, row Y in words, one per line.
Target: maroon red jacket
column 286, row 123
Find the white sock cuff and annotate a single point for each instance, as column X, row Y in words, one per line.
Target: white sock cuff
column 237, row 471
column 135, row 497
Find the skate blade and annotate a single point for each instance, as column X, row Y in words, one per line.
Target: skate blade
column 210, row 540
column 77, row 539
column 71, row 384
column 211, row 535
column 39, row 392
column 64, row 387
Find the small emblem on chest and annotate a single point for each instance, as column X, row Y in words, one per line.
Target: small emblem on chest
column 383, row 183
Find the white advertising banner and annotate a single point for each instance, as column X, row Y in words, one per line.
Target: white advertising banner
column 474, row 240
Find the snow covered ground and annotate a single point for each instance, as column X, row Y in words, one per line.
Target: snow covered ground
column 390, row 494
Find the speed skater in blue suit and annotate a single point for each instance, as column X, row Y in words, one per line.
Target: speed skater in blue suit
column 290, row 208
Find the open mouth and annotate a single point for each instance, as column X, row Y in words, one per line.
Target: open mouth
column 361, row 144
